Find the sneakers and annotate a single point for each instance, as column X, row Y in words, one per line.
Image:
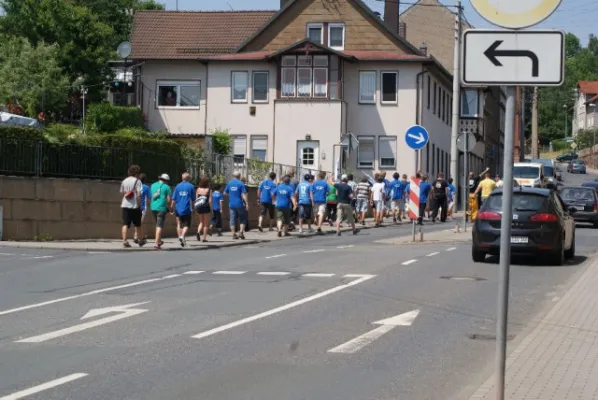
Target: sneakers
column 126, row 245
column 355, row 231
column 183, row 241
column 363, row 223
column 259, row 228
column 338, row 234
column 235, row 236
column 279, row 234
column 241, row 236
column 319, row 231
column 198, row 236
column 311, row 230
column 301, row 231
column 142, row 242
column 136, row 241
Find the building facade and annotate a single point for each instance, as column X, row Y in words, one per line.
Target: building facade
column 585, row 115
column 318, row 84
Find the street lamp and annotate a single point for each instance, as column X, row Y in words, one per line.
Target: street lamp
column 124, row 51
column 565, row 107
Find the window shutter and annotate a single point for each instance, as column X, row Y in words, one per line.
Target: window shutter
column 387, row 148
column 239, row 145
column 260, row 143
column 367, row 151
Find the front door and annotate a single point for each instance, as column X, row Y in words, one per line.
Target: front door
column 308, row 156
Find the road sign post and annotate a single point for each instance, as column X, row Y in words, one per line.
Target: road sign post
column 511, row 58
column 417, row 138
column 413, row 210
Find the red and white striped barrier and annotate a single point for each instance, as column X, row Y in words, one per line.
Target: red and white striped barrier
column 414, row 198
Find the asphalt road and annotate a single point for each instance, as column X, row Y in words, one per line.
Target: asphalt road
column 268, row 322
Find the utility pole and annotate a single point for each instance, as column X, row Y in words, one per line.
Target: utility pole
column 456, row 100
column 522, row 126
column 517, row 150
column 535, row 152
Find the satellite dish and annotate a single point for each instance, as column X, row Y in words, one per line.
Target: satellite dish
column 124, row 49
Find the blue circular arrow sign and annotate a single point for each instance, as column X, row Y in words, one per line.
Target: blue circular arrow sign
column 416, row 137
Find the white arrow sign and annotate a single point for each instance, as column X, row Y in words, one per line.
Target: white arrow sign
column 419, row 138
column 124, row 312
column 387, row 325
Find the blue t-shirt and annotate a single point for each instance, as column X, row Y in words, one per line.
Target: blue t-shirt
column 320, row 190
column 266, row 188
column 216, row 198
column 424, row 191
column 387, row 186
column 235, row 190
column 397, row 189
column 452, row 190
column 304, row 189
column 145, row 194
column 184, row 196
column 407, row 188
column 283, row 195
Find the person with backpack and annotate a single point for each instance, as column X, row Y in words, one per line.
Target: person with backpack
column 161, row 198
column 131, row 189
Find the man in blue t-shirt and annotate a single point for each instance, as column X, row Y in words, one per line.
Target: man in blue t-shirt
column 237, row 204
column 182, row 203
column 320, row 190
column 397, row 203
column 424, row 192
column 451, row 200
column 145, row 196
column 285, row 202
column 264, row 195
column 217, row 201
column 304, row 196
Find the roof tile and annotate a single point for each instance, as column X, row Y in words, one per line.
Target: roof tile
column 192, row 35
column 588, row 87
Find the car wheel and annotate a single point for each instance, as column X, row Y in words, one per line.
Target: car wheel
column 558, row 257
column 595, row 225
column 569, row 254
column 478, row 256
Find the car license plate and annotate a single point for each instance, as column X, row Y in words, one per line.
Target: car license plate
column 519, row 239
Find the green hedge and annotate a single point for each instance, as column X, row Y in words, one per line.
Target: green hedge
column 106, row 118
column 21, row 133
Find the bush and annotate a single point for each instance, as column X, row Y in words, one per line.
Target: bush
column 106, row 118
column 18, row 149
column 61, row 132
column 21, row 133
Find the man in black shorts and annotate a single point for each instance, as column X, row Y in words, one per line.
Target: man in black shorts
column 264, row 195
column 130, row 205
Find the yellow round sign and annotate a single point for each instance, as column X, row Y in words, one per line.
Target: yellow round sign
column 515, row 14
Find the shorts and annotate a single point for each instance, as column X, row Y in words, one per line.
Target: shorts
column 305, row 211
column 345, row 213
column 267, row 209
column 216, row 220
column 160, row 217
column 388, row 205
column 283, row 215
column 184, row 220
column 131, row 216
column 397, row 205
column 379, row 205
column 362, row 205
column 450, row 206
column 320, row 209
column 237, row 212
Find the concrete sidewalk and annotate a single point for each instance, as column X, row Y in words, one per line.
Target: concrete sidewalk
column 558, row 359
column 449, row 235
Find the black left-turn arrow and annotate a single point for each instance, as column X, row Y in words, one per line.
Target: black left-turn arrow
column 492, row 52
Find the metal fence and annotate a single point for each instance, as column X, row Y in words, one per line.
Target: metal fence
column 28, row 158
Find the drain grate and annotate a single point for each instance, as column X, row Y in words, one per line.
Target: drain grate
column 463, row 278
column 486, row 336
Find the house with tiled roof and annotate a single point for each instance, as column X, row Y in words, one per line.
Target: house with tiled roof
column 315, row 84
column 585, row 115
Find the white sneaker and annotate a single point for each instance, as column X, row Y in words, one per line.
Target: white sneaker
column 311, row 230
column 300, row 231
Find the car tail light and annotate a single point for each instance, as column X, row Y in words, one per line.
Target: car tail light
column 544, row 217
column 488, row 216
column 595, row 208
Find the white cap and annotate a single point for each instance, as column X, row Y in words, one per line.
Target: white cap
column 344, row 176
column 164, row 177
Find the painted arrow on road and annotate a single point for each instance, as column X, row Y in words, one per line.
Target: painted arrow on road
column 125, row 311
column 492, row 52
column 386, row 325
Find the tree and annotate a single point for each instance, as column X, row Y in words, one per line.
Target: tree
column 572, row 45
column 31, row 76
column 593, row 44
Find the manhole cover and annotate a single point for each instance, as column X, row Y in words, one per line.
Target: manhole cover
column 463, row 278
column 486, row 336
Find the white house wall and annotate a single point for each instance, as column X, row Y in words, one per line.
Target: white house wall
column 183, row 121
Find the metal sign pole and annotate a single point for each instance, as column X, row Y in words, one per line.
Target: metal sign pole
column 465, row 180
column 505, row 247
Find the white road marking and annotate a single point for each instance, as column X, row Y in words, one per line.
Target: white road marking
column 315, row 251
column 273, row 273
column 408, row 262
column 388, row 324
column 451, row 249
column 433, row 254
column 76, row 296
column 43, row 387
column 97, row 252
column 192, row 272
column 229, row 272
column 7, row 254
column 317, row 275
column 171, row 276
column 125, row 312
column 41, row 257
column 276, row 256
column 346, row 247
column 282, row 308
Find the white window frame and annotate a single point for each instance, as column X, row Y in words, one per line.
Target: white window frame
column 233, row 137
column 253, row 74
column 396, row 100
column 387, row 139
column 232, row 86
column 477, row 104
column 367, row 164
column 319, row 26
column 178, row 93
column 368, row 73
column 336, row 25
column 259, row 137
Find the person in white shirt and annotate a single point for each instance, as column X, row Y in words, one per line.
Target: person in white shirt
column 130, row 205
column 499, row 182
column 378, row 199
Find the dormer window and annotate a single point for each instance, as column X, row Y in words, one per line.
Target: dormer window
column 331, row 34
column 336, row 36
column 315, row 33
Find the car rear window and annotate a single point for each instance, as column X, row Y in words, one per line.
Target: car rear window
column 521, row 201
column 577, row 194
column 521, row 171
column 548, row 171
column 590, row 184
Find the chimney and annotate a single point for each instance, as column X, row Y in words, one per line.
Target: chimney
column 423, row 48
column 403, row 30
column 391, row 15
column 283, row 3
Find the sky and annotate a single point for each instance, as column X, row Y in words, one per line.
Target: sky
column 576, row 16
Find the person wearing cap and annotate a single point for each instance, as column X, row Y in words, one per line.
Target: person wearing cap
column 237, row 204
column 344, row 195
column 305, row 198
column 161, row 198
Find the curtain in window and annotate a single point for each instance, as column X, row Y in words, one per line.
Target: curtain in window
column 304, row 82
column 367, row 87
column 320, row 82
column 288, row 82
